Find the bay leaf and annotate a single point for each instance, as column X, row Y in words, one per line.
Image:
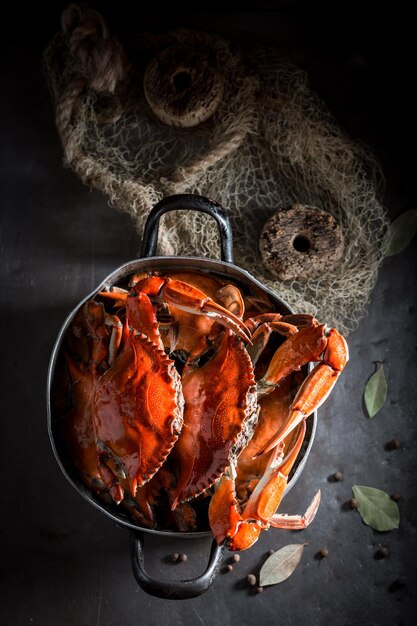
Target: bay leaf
column 401, row 232
column 280, row 565
column 376, row 508
column 375, row 392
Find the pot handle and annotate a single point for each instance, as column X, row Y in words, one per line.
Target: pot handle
column 170, row 589
column 189, row 202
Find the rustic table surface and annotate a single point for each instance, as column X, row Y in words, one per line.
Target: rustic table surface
column 66, row 564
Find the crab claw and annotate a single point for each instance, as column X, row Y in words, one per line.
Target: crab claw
column 266, row 498
column 188, row 298
column 316, row 387
column 119, row 296
column 297, row 522
column 297, row 350
column 248, row 533
column 268, row 493
column 231, row 298
column 311, row 395
column 224, row 515
column 142, row 317
column 262, row 334
column 242, row 529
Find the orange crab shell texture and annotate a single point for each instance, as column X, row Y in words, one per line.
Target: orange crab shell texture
column 137, row 408
column 220, row 400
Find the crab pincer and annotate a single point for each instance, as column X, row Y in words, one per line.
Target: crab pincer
column 242, row 526
column 188, row 298
column 330, row 350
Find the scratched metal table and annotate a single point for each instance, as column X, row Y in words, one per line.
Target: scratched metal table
column 63, row 562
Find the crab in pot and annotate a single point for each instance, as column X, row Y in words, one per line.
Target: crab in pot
column 174, row 412
column 218, row 409
column 239, row 510
column 91, row 347
column 135, row 404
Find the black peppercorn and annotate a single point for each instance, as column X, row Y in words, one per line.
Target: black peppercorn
column 382, row 552
column 394, row 444
column 396, row 585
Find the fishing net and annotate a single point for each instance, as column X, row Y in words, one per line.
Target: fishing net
column 270, row 144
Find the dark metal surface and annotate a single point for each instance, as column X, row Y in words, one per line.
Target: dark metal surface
column 62, row 561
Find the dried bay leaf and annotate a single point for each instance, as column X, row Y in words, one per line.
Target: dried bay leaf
column 401, row 232
column 376, row 508
column 280, row 565
column 375, row 392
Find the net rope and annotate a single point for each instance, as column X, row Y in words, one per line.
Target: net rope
column 270, row 144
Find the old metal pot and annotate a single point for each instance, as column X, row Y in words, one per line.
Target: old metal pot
column 149, row 262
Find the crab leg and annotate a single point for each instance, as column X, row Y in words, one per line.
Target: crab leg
column 297, row 522
column 268, row 493
column 116, row 336
column 154, row 495
column 316, row 387
column 301, row 320
column 142, row 318
column 188, row 298
column 118, row 295
column 262, row 334
column 224, row 514
column 298, row 349
column 266, row 498
column 243, row 529
column 263, row 325
column 232, row 300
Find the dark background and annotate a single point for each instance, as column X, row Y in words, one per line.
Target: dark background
column 65, row 563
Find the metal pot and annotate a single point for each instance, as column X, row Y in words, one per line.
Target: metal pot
column 149, row 262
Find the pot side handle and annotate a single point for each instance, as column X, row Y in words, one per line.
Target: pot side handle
column 189, row 202
column 170, row 589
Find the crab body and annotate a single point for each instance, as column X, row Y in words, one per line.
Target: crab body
column 219, row 417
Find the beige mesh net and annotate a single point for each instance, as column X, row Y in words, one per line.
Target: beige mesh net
column 271, row 143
